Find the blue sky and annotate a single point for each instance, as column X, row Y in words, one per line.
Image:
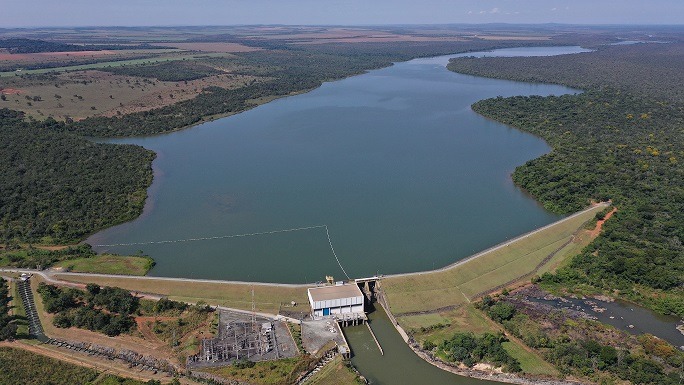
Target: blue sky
column 349, row 12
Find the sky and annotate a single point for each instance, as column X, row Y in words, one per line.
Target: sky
column 43, row 13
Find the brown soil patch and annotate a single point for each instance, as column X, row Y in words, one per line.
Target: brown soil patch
column 145, row 330
column 10, row 91
column 213, row 47
column 599, row 224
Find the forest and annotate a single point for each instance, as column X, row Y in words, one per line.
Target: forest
column 106, row 310
column 469, row 349
column 7, row 327
column 622, row 139
column 58, row 187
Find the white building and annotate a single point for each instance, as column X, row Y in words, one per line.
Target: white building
column 338, row 299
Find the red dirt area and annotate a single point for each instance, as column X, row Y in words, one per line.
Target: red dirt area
column 599, row 224
column 10, row 91
column 144, row 328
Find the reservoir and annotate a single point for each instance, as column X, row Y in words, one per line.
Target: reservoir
column 394, row 162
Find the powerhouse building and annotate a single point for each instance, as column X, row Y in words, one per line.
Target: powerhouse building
column 328, row 301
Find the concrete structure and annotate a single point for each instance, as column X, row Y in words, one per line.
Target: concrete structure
column 338, row 301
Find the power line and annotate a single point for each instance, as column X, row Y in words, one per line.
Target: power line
column 211, row 238
column 333, row 251
column 327, row 233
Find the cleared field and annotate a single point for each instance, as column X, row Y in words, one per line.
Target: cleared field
column 431, row 291
column 82, row 94
column 118, row 63
column 530, row 362
column 267, row 298
column 109, row 264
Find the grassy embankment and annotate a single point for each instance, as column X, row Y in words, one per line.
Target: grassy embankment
column 267, row 298
column 336, row 372
column 109, row 264
column 434, row 305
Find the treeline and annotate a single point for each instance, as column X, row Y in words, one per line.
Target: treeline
column 8, row 329
column 470, row 349
column 107, row 310
column 171, row 71
column 23, row 45
column 623, row 139
column 610, row 145
column 57, row 187
column 655, row 70
column 586, row 348
column 35, row 258
column 287, row 71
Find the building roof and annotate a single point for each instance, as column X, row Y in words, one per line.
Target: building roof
column 326, row 293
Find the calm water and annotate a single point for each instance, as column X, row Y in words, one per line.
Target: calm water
column 394, row 161
column 399, row 365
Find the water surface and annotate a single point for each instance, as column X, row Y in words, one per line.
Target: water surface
column 399, row 365
column 404, row 174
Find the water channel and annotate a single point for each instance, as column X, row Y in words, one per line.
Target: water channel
column 394, row 162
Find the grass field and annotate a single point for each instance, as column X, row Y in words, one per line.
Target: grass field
column 460, row 284
column 109, row 264
column 267, row 298
column 530, row 362
column 19, row 312
column 263, row 373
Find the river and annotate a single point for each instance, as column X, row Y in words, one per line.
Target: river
column 394, row 162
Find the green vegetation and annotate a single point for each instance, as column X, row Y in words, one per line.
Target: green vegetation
column 267, row 298
column 109, row 264
column 106, row 310
column 18, row 45
column 586, row 348
column 167, row 71
column 623, row 140
column 469, row 350
column 22, row 367
column 8, row 329
column 456, row 286
column 284, row 371
column 58, row 187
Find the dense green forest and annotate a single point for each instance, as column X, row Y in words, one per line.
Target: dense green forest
column 57, row 187
column 107, row 310
column 469, row 349
column 7, row 328
column 622, row 139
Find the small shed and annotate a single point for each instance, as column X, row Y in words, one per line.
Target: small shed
column 327, row 301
